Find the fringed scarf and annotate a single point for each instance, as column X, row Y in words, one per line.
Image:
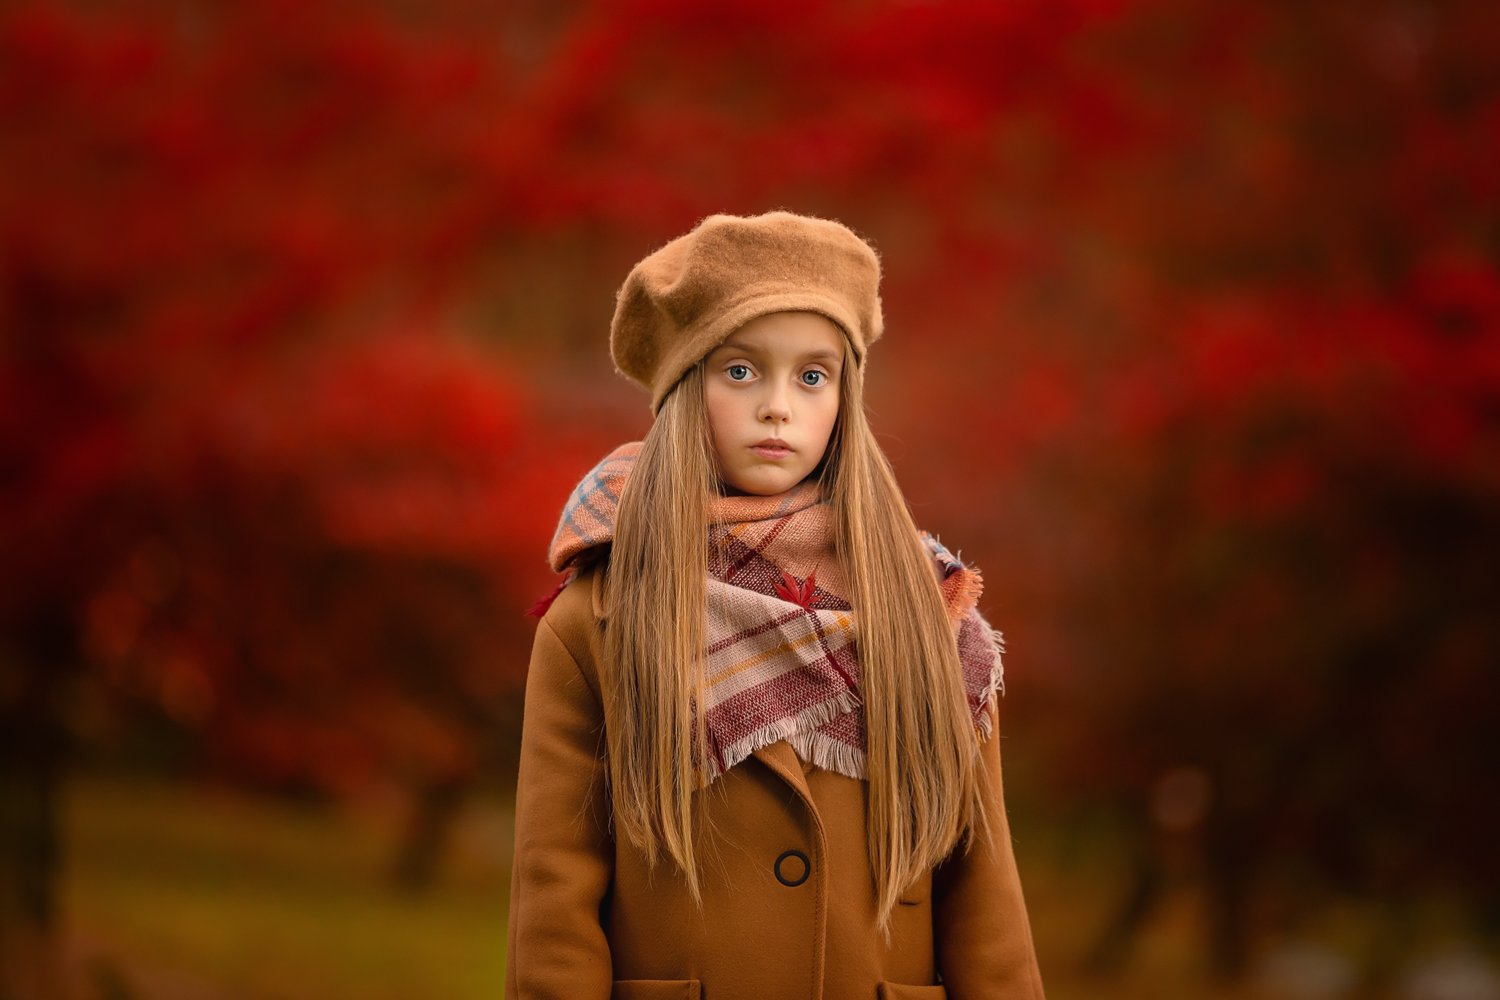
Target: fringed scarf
column 781, row 660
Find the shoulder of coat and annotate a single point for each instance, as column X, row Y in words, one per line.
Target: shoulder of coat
column 580, row 601
column 572, row 617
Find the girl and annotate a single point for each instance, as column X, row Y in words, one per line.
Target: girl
column 758, row 756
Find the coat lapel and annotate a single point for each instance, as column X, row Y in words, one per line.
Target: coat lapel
column 782, row 759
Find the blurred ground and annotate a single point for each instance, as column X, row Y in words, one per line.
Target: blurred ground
column 183, row 894
column 179, row 893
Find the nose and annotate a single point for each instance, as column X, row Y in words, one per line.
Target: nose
column 775, row 406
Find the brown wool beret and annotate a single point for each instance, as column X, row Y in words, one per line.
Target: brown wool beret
column 678, row 303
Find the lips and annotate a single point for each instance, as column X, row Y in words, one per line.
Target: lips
column 772, row 449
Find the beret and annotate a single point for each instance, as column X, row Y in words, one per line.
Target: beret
column 682, row 300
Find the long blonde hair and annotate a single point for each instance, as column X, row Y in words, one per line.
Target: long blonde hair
column 924, row 781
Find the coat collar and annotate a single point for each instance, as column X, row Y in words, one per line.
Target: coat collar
column 782, row 759
column 601, row 580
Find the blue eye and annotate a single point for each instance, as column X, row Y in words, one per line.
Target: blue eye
column 817, row 373
column 744, row 368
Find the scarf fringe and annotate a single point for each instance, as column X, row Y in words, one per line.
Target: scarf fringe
column 994, row 688
column 787, row 728
column 830, row 754
column 963, row 582
column 971, row 585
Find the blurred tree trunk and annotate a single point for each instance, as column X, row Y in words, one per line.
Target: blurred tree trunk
column 435, row 806
column 33, row 748
column 1111, row 949
column 1232, row 858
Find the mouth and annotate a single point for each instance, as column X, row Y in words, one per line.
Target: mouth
column 771, row 448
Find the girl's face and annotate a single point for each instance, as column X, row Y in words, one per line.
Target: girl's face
column 774, row 379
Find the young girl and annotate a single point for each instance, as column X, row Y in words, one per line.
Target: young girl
column 758, row 757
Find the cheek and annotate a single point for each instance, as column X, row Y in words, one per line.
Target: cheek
column 827, row 417
column 718, row 411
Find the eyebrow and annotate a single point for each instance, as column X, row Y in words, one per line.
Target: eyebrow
column 821, row 354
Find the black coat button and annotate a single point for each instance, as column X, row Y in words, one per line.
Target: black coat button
column 797, row 874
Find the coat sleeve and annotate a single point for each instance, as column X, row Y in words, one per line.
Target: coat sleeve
column 982, row 934
column 564, row 855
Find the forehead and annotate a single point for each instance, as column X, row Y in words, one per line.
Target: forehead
column 800, row 333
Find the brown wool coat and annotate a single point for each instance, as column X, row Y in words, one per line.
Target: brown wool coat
column 588, row 921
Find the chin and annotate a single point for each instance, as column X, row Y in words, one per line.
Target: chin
column 764, row 485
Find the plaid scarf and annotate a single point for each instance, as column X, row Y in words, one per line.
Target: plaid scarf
column 781, row 659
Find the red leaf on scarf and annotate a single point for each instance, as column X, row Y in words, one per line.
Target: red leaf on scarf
column 786, row 587
column 801, row 594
